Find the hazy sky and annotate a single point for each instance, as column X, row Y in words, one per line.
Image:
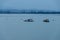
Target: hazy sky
column 30, row 4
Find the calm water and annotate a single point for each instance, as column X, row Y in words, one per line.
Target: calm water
column 13, row 27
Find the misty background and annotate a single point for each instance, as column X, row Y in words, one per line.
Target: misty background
column 30, row 4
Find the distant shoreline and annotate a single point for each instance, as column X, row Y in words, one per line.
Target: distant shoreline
column 28, row 12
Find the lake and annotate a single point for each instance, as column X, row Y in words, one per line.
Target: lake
column 13, row 27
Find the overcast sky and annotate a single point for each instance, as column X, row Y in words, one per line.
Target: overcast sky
column 30, row 4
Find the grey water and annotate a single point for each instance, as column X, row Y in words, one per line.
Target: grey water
column 13, row 27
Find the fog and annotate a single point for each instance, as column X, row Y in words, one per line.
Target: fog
column 30, row 4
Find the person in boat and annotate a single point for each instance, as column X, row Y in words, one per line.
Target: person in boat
column 28, row 20
column 46, row 20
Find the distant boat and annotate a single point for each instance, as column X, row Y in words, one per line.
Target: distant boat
column 46, row 20
column 29, row 20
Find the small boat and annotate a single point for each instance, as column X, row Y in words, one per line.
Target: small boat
column 46, row 20
column 29, row 20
